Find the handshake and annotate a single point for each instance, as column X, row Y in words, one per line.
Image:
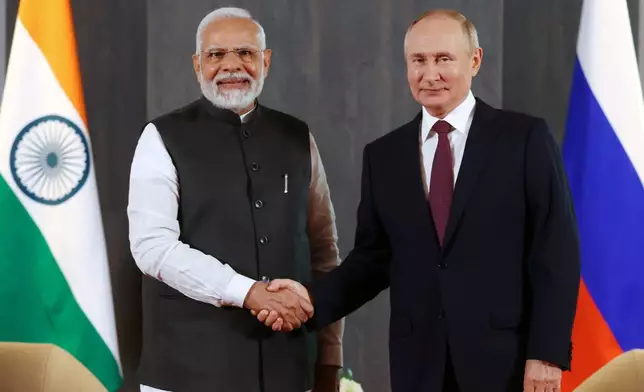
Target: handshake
column 283, row 304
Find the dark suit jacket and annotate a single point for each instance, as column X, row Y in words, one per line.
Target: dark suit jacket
column 504, row 287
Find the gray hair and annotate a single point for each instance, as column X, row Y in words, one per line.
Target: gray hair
column 468, row 27
column 229, row 12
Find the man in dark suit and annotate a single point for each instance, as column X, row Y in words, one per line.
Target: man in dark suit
column 465, row 214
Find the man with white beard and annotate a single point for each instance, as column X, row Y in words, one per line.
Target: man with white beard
column 226, row 194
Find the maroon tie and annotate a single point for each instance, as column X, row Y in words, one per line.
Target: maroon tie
column 441, row 184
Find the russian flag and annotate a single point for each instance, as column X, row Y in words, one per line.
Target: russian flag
column 603, row 153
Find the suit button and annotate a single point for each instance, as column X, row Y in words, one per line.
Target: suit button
column 263, row 240
column 245, row 133
column 254, row 167
column 441, row 314
column 259, row 204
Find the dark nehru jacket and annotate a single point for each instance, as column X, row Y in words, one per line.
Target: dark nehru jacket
column 243, row 200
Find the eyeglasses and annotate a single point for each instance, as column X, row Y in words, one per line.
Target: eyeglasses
column 246, row 55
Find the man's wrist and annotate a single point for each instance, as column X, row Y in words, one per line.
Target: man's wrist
column 328, row 367
column 250, row 301
column 545, row 363
column 327, row 373
column 237, row 290
column 330, row 354
column 328, row 370
column 307, row 287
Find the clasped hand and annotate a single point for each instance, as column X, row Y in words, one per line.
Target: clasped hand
column 282, row 305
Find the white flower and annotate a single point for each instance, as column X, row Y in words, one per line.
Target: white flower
column 347, row 385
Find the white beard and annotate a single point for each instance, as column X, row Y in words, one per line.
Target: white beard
column 234, row 100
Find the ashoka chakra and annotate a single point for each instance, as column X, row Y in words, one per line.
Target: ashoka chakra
column 50, row 159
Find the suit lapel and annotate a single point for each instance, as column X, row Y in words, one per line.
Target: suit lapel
column 479, row 144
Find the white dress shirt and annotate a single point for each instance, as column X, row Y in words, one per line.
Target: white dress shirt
column 154, row 237
column 461, row 120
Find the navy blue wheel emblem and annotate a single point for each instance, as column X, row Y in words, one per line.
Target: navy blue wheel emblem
column 50, row 160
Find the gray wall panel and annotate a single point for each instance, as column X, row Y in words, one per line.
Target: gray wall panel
column 111, row 37
column 539, row 52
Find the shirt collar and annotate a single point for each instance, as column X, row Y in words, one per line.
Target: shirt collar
column 229, row 116
column 245, row 115
column 457, row 118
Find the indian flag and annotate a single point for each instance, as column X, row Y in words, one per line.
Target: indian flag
column 54, row 277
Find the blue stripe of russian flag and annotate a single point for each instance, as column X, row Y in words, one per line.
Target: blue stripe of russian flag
column 609, row 202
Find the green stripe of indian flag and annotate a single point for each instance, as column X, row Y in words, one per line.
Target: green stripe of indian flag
column 35, row 299
column 54, row 277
